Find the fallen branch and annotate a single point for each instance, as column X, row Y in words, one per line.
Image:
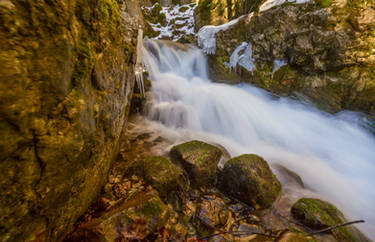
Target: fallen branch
column 238, row 233
column 335, row 227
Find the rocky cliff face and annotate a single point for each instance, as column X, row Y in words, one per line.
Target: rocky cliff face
column 327, row 48
column 215, row 12
column 66, row 79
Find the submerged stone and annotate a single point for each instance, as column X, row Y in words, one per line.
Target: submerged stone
column 250, row 179
column 199, row 159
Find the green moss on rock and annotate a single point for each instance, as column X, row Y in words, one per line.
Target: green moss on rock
column 325, row 3
column 318, row 214
column 66, row 69
column 161, row 173
column 199, row 159
column 249, row 179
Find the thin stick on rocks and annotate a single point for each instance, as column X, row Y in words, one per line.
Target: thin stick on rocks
column 335, row 227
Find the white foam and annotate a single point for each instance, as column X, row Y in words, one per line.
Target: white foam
column 334, row 156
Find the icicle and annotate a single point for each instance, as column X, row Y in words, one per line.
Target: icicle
column 139, row 68
column 245, row 60
column 206, row 35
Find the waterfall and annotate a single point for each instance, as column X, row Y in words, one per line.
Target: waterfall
column 138, row 68
column 334, row 156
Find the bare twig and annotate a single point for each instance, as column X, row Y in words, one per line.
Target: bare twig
column 238, row 233
column 335, row 227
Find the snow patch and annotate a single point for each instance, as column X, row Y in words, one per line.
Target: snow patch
column 206, row 35
column 277, row 64
column 178, row 23
column 272, row 3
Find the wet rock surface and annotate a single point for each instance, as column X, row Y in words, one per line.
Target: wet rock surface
column 318, row 214
column 65, row 85
column 199, row 159
column 326, row 51
column 132, row 205
column 250, row 179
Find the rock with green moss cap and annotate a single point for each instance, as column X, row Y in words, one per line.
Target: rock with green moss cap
column 161, row 173
column 199, row 159
column 249, row 179
column 318, row 214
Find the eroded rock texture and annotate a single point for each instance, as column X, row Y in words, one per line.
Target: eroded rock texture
column 327, row 46
column 66, row 79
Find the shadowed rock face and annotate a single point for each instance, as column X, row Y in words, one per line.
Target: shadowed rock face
column 327, row 47
column 65, row 84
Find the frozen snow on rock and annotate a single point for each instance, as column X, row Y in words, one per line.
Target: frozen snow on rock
column 277, row 64
column 272, row 3
column 179, row 23
column 206, row 35
column 245, row 60
column 234, row 57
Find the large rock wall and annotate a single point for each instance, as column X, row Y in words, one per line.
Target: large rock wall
column 66, row 79
column 328, row 47
column 216, row 12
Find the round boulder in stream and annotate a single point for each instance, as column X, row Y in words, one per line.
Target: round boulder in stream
column 199, row 159
column 249, row 179
column 317, row 214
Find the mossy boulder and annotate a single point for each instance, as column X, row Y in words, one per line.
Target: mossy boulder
column 249, row 179
column 317, row 214
column 199, row 159
column 161, row 173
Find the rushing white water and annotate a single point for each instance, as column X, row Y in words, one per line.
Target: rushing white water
column 334, row 157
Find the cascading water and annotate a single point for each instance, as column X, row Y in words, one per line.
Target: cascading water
column 335, row 157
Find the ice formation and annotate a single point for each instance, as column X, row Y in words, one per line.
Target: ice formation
column 245, row 59
column 206, row 35
column 178, row 23
column 272, row 3
column 139, row 67
column 277, row 64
